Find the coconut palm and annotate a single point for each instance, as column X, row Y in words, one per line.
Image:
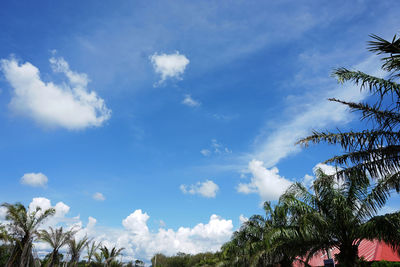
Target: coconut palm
column 75, row 248
column 376, row 149
column 110, row 254
column 342, row 214
column 91, row 250
column 56, row 238
column 22, row 229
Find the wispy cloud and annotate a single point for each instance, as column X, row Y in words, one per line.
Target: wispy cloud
column 314, row 113
column 215, row 148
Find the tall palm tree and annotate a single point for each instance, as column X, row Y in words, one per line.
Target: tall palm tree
column 75, row 248
column 342, row 214
column 376, row 149
column 22, row 228
column 110, row 254
column 56, row 238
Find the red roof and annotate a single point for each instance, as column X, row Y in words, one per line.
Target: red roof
column 369, row 250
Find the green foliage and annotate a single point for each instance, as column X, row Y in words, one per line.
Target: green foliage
column 376, row 149
column 385, row 264
column 342, row 214
column 5, row 253
column 110, row 255
column 75, row 248
column 56, row 238
column 187, row 260
column 270, row 240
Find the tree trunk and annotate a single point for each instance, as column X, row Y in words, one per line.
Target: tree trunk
column 348, row 255
column 26, row 251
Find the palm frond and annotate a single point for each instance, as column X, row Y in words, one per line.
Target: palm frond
column 378, row 86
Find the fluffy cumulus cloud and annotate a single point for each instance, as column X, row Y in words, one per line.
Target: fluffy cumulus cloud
column 34, row 179
column 189, row 101
column 98, row 196
column 169, row 65
column 207, row 189
column 135, row 236
column 68, row 105
column 265, row 182
column 202, row 237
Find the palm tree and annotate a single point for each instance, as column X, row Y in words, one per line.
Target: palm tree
column 23, row 227
column 376, row 149
column 91, row 250
column 75, row 249
column 266, row 240
column 56, row 238
column 110, row 255
column 342, row 214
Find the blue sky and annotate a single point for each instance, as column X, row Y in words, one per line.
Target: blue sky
column 169, row 120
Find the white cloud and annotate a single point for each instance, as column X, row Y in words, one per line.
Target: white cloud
column 44, row 203
column 34, row 179
column 169, row 65
column 136, row 223
column 207, row 189
column 98, row 196
column 189, row 101
column 327, row 169
column 69, row 105
column 265, row 182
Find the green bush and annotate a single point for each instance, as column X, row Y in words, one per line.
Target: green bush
column 385, row 264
